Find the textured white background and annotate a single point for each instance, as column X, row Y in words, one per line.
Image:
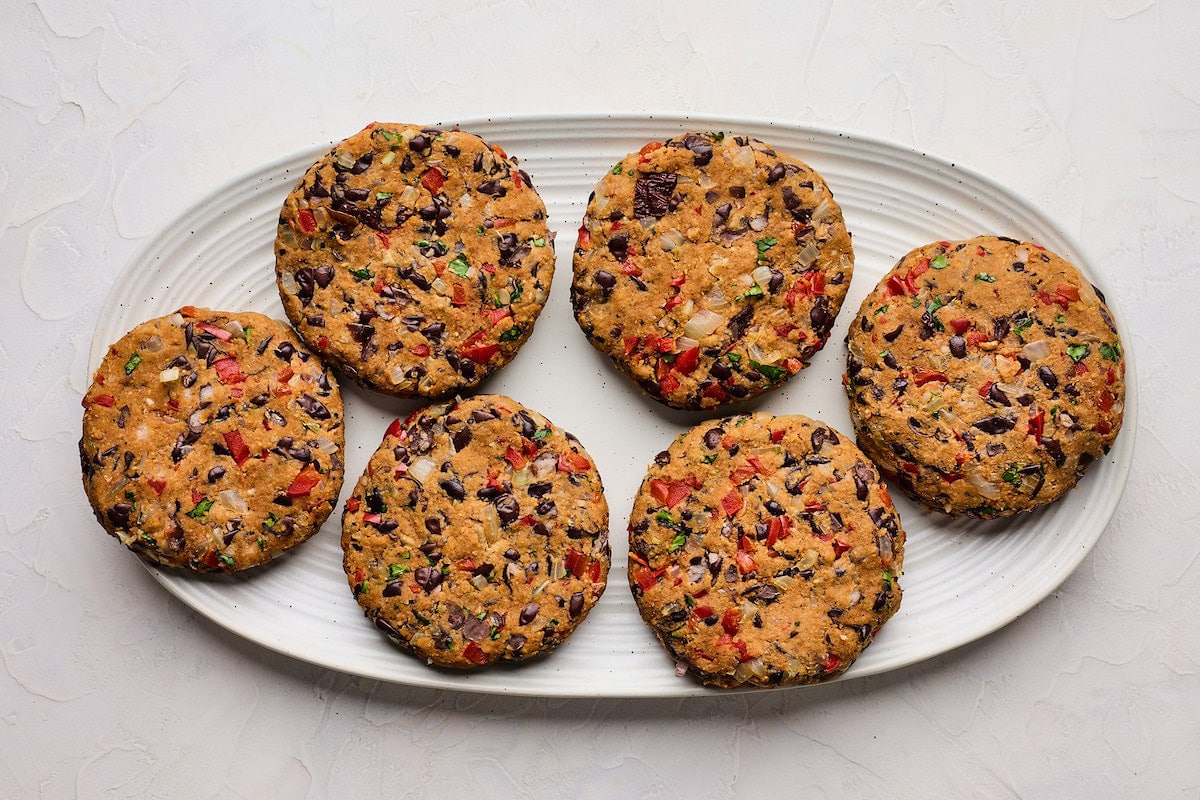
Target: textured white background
column 114, row 117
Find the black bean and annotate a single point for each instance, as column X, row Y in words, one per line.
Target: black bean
column 1047, row 377
column 776, row 173
column 454, row 488
column 461, row 438
column 605, row 279
column 862, row 476
column 774, row 509
column 529, row 613
column 997, row 396
column 995, row 425
column 507, row 509
column 721, row 371
column 546, row 508
column 721, row 214
column 427, row 578
column 118, row 515
column 215, row 474
column 820, row 316
column 652, row 194
column 313, row 407
column 575, row 607
column 958, row 346
column 420, row 143
column 891, row 337
column 539, row 489
column 618, row 246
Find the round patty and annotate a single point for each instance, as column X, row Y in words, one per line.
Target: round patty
column 211, row 440
column 710, row 268
column 764, row 551
column 985, row 376
column 415, row 260
column 478, row 533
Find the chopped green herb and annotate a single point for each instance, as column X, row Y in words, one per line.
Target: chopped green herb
column 753, row 291
column 678, row 542
column 1013, row 473
column 393, row 138
column 688, row 601
column 246, row 334
column 616, row 170
column 422, row 243
column 132, row 363
column 1111, row 352
column 261, row 542
column 226, row 559
column 201, row 508
column 420, row 618
column 881, row 309
column 541, row 433
column 741, row 420
column 718, row 136
column 934, row 304
column 887, row 578
column 916, row 303
column 396, row 570
column 985, row 277
column 148, row 539
column 270, row 521
column 515, row 294
column 664, row 518
column 710, row 458
column 459, row 266
column 510, row 335
column 480, row 230
column 773, row 374
column 941, row 262
column 382, row 195
column 734, row 357
column 1023, row 326
column 1077, row 352
column 539, row 241
column 1060, row 319
column 495, row 634
column 765, row 243
column 363, row 274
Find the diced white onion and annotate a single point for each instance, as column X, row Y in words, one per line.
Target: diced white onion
column 479, row 581
column 716, row 298
column 234, row 501
column 421, row 468
column 744, row 157
column 686, row 343
column 409, row 195
column 234, row 327
column 808, row 256
column 1035, row 351
column 325, row 445
column 762, row 276
column 702, row 323
column 986, row 488
column 758, row 223
column 288, row 281
column 169, row 375
column 821, row 211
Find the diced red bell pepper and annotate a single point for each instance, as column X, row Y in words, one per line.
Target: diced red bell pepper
column 714, row 391
column 839, row 547
column 584, row 240
column 308, row 222
column 960, row 326
column 458, row 295
column 576, row 563
column 630, row 268
column 594, row 569
column 157, row 485
column 679, row 279
column 515, row 457
column 732, row 503
column 305, row 482
column 687, row 361
column 745, row 563
column 669, row 493
column 395, row 428
column 832, row 662
column 1067, row 291
column 986, row 388
column 631, row 344
column 1105, row 403
column 237, row 446
column 474, row 653
column 372, row 518
column 495, row 315
column 647, row 578
column 1104, row 426
column 106, row 400
column 1036, row 425
column 353, row 504
column 433, row 179
column 759, row 467
column 742, row 473
column 731, row 620
column 228, row 370
column 926, row 376
column 481, row 354
column 672, row 301
column 778, row 529
column 668, row 383
column 702, row 612
column 220, row 333
column 777, row 436
column 573, row 463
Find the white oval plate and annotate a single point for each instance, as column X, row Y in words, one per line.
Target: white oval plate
column 962, row 578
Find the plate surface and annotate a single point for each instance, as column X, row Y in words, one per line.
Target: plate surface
column 962, row 578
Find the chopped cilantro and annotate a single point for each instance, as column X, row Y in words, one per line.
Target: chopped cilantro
column 393, row 138
column 246, row 334
column 881, row 309
column 941, row 262
column 985, row 277
column 515, row 294
column 772, row 373
column 887, row 578
column 541, row 433
column 710, row 458
column 1077, row 352
column 664, row 517
column 734, row 357
column 362, row 274
column 741, row 420
column 688, row 601
column 148, row 539
column 270, row 521
column 132, row 363
column 753, row 291
column 765, row 243
column 1111, row 352
column 382, row 195
column 539, row 241
column 616, row 170
column 226, row 559
column 396, row 570
column 1060, row 319
column 201, row 508
column 934, row 304
column 459, row 266
column 678, row 542
column 512, row 334
column 261, row 542
column 1023, row 326
column 718, row 136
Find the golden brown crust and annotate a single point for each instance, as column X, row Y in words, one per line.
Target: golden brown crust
column 985, row 376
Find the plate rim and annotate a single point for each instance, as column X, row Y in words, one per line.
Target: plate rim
column 280, row 168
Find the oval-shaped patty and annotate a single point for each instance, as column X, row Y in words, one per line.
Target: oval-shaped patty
column 764, row 551
column 416, row 260
column 478, row 533
column 710, row 268
column 985, row 376
column 212, row 440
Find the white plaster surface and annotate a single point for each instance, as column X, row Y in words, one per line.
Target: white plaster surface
column 116, row 116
